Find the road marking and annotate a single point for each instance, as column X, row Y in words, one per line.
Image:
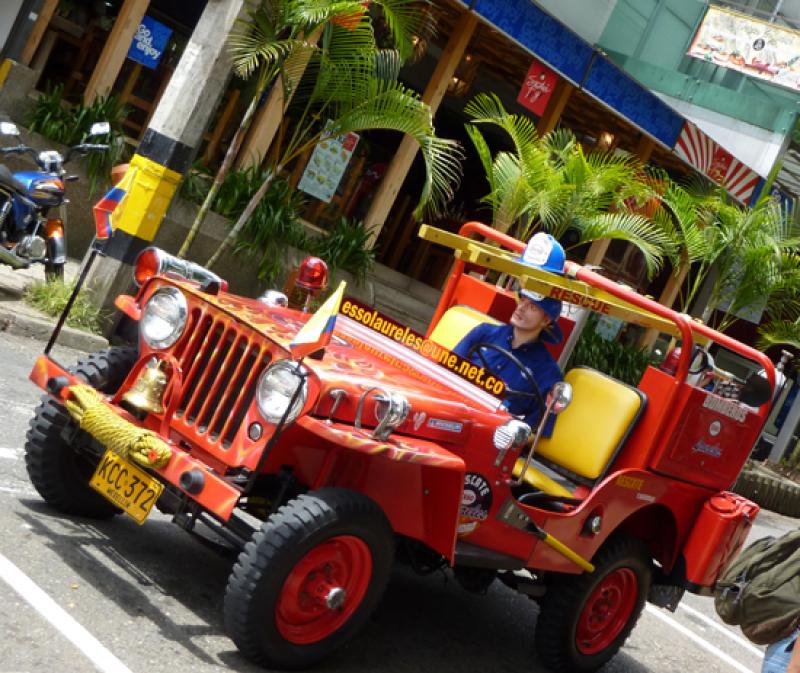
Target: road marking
column 691, row 635
column 746, row 644
column 58, row 617
column 10, row 454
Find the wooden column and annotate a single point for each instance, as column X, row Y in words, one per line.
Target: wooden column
column 433, row 95
column 38, row 30
column 667, row 298
column 598, row 249
column 644, row 148
column 555, row 107
column 269, row 117
column 119, row 42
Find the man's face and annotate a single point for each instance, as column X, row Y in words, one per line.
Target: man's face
column 528, row 316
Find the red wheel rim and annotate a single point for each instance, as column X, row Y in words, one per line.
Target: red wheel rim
column 607, row 611
column 323, row 590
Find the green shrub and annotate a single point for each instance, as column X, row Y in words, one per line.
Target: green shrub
column 56, row 120
column 51, row 297
column 274, row 225
column 345, row 246
column 626, row 363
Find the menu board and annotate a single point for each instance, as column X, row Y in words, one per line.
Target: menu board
column 327, row 165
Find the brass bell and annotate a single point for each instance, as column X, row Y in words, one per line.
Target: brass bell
column 148, row 390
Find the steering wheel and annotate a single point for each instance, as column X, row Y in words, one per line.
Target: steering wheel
column 534, row 397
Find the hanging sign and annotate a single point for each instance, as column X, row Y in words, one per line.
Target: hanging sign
column 537, row 88
column 756, row 48
column 327, row 165
column 149, row 42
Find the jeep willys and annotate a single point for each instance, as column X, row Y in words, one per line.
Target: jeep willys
column 315, row 459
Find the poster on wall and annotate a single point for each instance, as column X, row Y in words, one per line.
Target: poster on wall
column 327, row 165
column 537, row 88
column 757, row 48
column 149, row 42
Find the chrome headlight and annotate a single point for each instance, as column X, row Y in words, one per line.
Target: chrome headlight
column 164, row 318
column 513, row 434
column 276, row 389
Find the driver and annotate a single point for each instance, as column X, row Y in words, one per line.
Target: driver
column 533, row 323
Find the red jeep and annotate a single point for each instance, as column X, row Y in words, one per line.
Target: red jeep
column 316, row 468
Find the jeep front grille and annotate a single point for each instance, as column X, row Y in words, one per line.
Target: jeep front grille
column 221, row 362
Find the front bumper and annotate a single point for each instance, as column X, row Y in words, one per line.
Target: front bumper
column 217, row 495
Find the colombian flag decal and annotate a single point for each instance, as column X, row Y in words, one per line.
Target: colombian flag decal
column 317, row 332
column 105, row 207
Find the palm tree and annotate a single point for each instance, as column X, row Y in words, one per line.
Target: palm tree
column 279, row 38
column 551, row 183
column 753, row 252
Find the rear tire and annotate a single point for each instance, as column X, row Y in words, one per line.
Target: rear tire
column 585, row 619
column 309, row 578
column 56, row 469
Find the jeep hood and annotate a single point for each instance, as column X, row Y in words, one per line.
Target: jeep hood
column 359, row 359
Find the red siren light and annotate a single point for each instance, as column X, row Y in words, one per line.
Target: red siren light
column 147, row 265
column 313, row 274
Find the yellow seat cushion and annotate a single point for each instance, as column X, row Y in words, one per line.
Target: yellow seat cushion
column 456, row 323
column 539, row 480
column 589, row 430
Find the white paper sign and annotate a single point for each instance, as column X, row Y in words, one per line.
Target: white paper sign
column 327, row 165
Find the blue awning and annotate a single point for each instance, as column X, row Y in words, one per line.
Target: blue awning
column 571, row 56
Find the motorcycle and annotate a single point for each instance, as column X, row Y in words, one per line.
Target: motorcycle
column 28, row 232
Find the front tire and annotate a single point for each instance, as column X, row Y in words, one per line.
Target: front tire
column 309, row 578
column 56, row 469
column 585, row 619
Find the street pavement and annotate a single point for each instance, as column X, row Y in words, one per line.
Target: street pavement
column 149, row 598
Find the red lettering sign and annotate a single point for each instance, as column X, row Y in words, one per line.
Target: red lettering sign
column 537, row 88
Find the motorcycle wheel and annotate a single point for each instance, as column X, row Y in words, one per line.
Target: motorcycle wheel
column 53, row 272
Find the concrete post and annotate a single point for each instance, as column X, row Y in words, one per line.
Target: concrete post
column 168, row 146
column 784, row 438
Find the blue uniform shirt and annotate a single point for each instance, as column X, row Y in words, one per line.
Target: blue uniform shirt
column 533, row 355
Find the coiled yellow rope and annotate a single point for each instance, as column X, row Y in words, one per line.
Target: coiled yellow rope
column 86, row 406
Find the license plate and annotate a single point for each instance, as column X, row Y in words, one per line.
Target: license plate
column 129, row 488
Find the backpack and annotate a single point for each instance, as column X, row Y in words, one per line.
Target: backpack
column 760, row 590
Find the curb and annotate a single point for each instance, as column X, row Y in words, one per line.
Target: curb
column 775, row 494
column 40, row 328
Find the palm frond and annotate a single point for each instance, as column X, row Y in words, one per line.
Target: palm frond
column 484, row 153
column 407, row 19
column 779, row 332
column 630, row 227
column 391, row 106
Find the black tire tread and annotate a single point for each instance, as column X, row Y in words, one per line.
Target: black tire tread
column 559, row 607
column 47, row 455
column 291, row 531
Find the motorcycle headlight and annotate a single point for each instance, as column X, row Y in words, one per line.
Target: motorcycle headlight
column 164, row 318
column 276, row 389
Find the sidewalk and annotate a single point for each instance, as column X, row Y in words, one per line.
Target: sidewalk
column 18, row 318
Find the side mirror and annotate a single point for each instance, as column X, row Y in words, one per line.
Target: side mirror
column 100, row 129
column 560, row 397
column 8, row 129
column 755, row 391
